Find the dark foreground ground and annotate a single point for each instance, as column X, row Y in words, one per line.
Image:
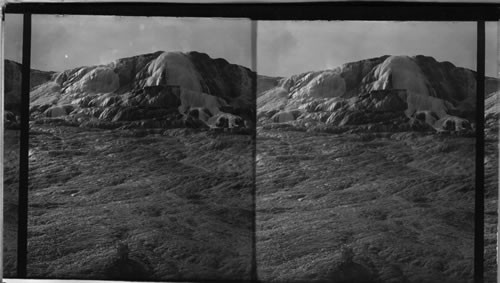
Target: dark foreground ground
column 491, row 209
column 10, row 191
column 139, row 204
column 401, row 203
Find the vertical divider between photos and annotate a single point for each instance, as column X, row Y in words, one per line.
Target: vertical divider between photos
column 479, row 196
column 2, row 95
column 22, row 243
column 253, row 276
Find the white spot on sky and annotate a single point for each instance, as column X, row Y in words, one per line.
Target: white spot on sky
column 66, row 56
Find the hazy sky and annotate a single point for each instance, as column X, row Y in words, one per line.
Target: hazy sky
column 64, row 42
column 13, row 44
column 283, row 47
column 290, row 47
column 492, row 55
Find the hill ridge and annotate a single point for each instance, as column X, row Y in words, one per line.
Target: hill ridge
column 159, row 89
column 438, row 95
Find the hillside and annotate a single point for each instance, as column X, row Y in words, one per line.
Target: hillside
column 140, row 169
column 365, row 173
column 12, row 81
column 167, row 89
column 395, row 93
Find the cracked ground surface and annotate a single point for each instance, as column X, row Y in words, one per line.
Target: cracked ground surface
column 180, row 199
column 404, row 203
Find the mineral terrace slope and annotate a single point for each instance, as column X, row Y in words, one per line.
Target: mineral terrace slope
column 413, row 92
column 164, row 88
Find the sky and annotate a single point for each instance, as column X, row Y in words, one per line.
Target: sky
column 284, row 48
column 492, row 53
column 65, row 42
column 13, row 43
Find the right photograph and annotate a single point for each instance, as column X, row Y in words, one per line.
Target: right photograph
column 365, row 160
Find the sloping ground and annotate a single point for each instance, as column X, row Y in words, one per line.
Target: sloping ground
column 10, row 201
column 403, row 203
column 491, row 186
column 139, row 204
column 12, row 82
column 491, row 209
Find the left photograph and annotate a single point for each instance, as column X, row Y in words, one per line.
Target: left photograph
column 141, row 144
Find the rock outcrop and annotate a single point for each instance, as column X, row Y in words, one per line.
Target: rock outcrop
column 168, row 88
column 161, row 88
column 388, row 93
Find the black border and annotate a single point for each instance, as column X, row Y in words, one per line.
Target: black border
column 479, row 197
column 403, row 11
column 22, row 232
column 371, row 11
column 253, row 270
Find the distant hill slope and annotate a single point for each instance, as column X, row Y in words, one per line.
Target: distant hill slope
column 161, row 88
column 385, row 93
column 13, row 83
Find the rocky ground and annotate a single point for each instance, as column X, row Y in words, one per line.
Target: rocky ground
column 401, row 205
column 491, row 200
column 10, row 187
column 139, row 204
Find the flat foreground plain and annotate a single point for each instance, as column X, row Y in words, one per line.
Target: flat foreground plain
column 402, row 202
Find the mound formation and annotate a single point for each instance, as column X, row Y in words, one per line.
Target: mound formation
column 161, row 89
column 388, row 93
